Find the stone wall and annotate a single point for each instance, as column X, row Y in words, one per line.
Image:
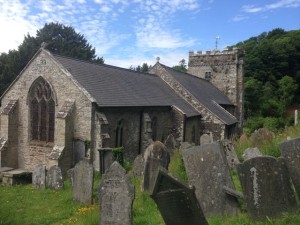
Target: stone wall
column 224, row 70
column 133, row 129
column 64, row 88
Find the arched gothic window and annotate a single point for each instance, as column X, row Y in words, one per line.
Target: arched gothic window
column 119, row 133
column 42, row 111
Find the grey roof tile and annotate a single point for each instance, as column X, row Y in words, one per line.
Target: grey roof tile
column 117, row 87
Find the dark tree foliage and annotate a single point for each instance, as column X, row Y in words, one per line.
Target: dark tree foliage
column 181, row 67
column 60, row 39
column 272, row 71
column 144, row 68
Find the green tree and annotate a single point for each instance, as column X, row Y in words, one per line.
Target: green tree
column 60, row 39
column 182, row 67
column 286, row 90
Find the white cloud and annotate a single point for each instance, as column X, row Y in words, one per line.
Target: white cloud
column 275, row 5
column 239, row 18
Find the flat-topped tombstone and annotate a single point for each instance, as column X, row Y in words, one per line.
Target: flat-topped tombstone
column 83, row 179
column 116, row 196
column 176, row 201
column 290, row 151
column 266, row 186
column 250, row 153
column 155, row 155
column 208, row 171
column 39, row 177
column 54, row 178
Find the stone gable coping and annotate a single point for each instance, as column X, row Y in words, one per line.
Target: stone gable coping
column 66, row 109
column 183, row 93
column 9, row 108
column 101, row 117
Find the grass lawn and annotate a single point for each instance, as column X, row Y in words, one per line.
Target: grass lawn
column 25, row 205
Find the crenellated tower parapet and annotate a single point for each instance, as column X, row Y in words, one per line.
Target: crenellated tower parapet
column 224, row 69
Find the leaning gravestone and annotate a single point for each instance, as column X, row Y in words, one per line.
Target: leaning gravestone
column 250, row 153
column 208, row 171
column 230, row 153
column 176, row 201
column 83, row 179
column 116, row 196
column 54, row 178
column 155, row 155
column 290, row 151
column 39, row 177
column 267, row 188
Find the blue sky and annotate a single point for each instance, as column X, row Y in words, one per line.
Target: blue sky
column 131, row 32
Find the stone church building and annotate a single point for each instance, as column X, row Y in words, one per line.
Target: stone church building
column 58, row 106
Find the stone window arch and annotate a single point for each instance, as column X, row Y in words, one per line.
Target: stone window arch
column 120, row 133
column 42, row 111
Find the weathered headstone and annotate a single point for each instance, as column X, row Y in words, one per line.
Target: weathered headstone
column 262, row 134
column 170, row 143
column 176, row 201
column 230, row 153
column 83, row 179
column 39, row 177
column 185, row 145
column 266, row 186
column 155, row 155
column 290, row 151
column 250, row 153
column 208, row 171
column 54, row 178
column 205, row 139
column 138, row 165
column 116, row 196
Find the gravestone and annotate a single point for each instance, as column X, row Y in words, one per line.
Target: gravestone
column 116, row 196
column 170, row 143
column 266, row 186
column 138, row 165
column 250, row 153
column 185, row 145
column 230, row 153
column 39, row 177
column 205, row 139
column 290, row 151
column 207, row 170
column 83, row 179
column 54, row 178
column 155, row 155
column 176, row 201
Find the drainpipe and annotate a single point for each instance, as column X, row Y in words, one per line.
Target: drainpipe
column 141, row 131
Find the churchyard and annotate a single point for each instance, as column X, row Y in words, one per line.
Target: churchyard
column 225, row 198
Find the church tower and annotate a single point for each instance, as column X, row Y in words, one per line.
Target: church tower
column 224, row 69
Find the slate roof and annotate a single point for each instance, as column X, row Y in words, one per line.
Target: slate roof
column 112, row 86
column 206, row 93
